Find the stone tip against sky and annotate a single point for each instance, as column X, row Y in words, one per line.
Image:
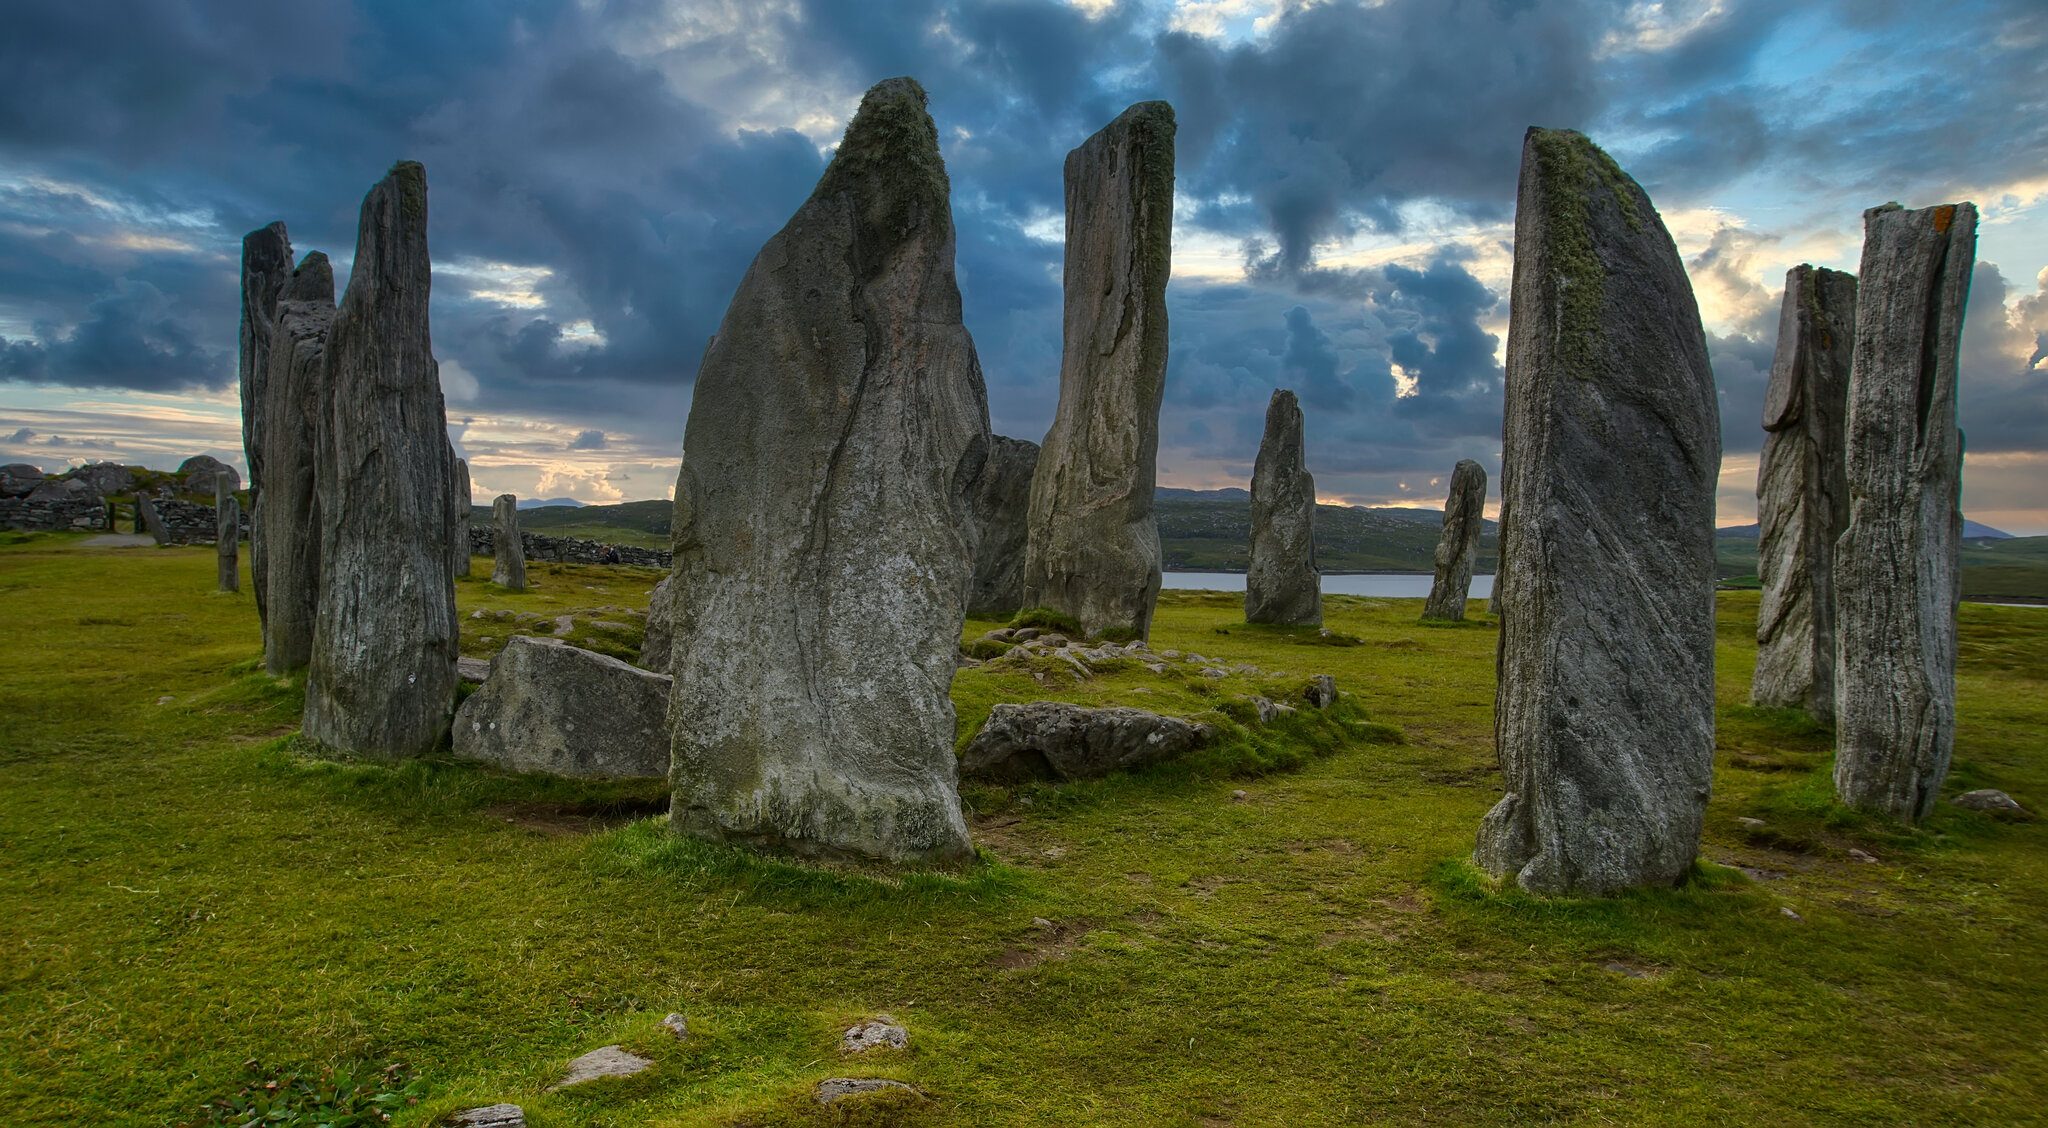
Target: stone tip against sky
column 1343, row 226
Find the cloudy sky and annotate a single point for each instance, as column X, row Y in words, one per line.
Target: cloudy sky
column 602, row 171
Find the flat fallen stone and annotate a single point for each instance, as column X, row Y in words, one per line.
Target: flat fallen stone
column 601, row 1063
column 1055, row 740
column 1989, row 799
column 550, row 707
column 490, row 1116
column 877, row 1034
column 833, row 1088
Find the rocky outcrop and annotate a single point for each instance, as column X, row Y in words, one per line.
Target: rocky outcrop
column 106, row 479
column 550, row 707
column 203, row 473
column 1604, row 715
column 19, row 479
column 1802, row 493
column 1896, row 568
column 1282, row 585
column 1093, row 551
column 1001, row 508
column 508, row 552
column 227, row 538
column 1464, row 520
column 287, row 527
column 382, row 680
column 464, row 507
column 822, row 545
column 1055, row 740
column 659, row 641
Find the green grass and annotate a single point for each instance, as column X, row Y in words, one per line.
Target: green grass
column 183, row 893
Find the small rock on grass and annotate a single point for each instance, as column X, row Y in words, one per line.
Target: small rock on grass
column 1789, row 914
column 603, row 1062
column 1989, row 799
column 879, row 1034
column 1860, row 855
column 491, row 1116
column 677, row 1025
column 1239, row 797
column 1750, row 823
column 833, row 1088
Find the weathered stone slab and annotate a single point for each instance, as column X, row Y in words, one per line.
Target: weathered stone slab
column 459, row 545
column 838, row 1088
column 822, row 547
column 508, row 564
column 603, row 1063
column 285, row 534
column 1055, row 740
column 227, row 537
column 1605, row 706
column 266, row 268
column 1896, row 567
column 1001, row 504
column 490, row 1116
column 1094, row 544
column 1802, row 493
column 551, row 707
column 382, row 680
column 1282, row 585
column 1464, row 521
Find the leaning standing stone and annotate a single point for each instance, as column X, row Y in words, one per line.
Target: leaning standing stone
column 266, row 269
column 1802, row 493
column 823, row 550
column 1464, row 520
column 1896, row 585
column 508, row 569
column 1282, row 585
column 1605, row 706
column 287, row 511
column 1001, row 504
column 1094, row 545
column 227, row 535
column 382, row 682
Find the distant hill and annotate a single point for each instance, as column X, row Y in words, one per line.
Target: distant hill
column 1971, row 531
column 548, row 502
column 1210, row 531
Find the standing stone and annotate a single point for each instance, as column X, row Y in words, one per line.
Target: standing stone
column 1464, row 520
column 1802, row 493
column 266, row 268
column 1282, row 585
column 1094, row 545
column 508, row 569
column 1001, row 504
column 227, row 535
column 458, row 546
column 823, row 547
column 382, row 682
column 287, row 512
column 1605, row 704
column 659, row 641
column 1896, row 586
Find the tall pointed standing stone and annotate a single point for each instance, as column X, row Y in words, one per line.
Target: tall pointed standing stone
column 823, row 546
column 227, row 534
column 508, row 547
column 1802, row 493
column 1896, row 584
column 266, row 268
column 1464, row 520
column 285, row 519
column 1604, row 716
column 382, row 682
column 1094, row 545
column 1282, row 585
column 1002, row 520
column 464, row 506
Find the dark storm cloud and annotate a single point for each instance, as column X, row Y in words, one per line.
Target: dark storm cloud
column 587, row 440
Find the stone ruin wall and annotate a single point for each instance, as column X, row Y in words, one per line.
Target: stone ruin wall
column 88, row 514
column 483, row 541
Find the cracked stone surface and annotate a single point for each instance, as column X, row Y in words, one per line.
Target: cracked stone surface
column 602, row 1063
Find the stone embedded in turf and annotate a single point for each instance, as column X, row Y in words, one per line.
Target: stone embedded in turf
column 1055, row 740
column 1896, row 567
column 602, row 1063
column 1604, row 721
column 1282, row 585
column 285, row 532
column 1001, row 504
column 1991, row 800
column 822, row 547
column 1802, row 493
column 554, row 708
column 677, row 1025
column 1464, row 520
column 879, row 1034
column 490, row 1116
column 1094, row 552
column 508, row 566
column 382, row 680
column 834, row 1088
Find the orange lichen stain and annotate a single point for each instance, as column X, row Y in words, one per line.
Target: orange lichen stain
column 1943, row 216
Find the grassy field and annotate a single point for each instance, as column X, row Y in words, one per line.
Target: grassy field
column 182, row 893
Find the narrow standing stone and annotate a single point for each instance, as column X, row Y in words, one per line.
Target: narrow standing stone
column 1001, row 504
column 266, row 268
column 1802, row 493
column 287, row 512
column 823, row 545
column 1282, row 585
column 227, row 535
column 1605, row 706
column 1464, row 520
column 382, row 682
column 464, row 505
column 1896, row 585
column 508, row 569
column 1094, row 545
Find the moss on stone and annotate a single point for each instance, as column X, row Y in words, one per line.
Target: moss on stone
column 1569, row 166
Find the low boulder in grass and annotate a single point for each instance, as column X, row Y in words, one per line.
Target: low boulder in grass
column 554, row 708
column 1055, row 740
